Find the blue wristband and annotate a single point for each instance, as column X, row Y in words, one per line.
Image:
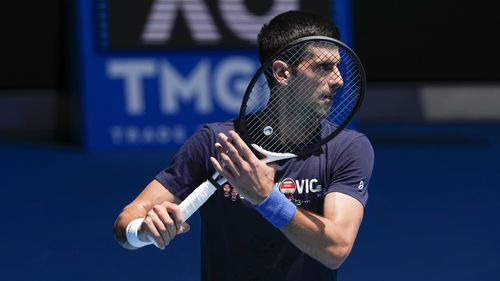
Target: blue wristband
column 277, row 209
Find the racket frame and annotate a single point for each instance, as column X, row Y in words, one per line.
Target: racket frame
column 241, row 124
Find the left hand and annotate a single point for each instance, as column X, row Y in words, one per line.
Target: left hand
column 253, row 178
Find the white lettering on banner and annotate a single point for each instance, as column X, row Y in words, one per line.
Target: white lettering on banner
column 240, row 67
column 230, row 77
column 174, row 87
column 244, row 24
column 161, row 19
column 136, row 135
column 132, row 71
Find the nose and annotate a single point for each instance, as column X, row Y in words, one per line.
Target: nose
column 336, row 80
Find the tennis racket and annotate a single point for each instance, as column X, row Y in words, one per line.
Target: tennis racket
column 299, row 99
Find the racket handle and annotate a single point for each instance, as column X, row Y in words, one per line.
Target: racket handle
column 197, row 198
column 193, row 202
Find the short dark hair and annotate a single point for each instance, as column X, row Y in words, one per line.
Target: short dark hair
column 289, row 26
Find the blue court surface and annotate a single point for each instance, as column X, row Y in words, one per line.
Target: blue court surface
column 433, row 212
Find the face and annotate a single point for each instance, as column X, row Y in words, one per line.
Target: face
column 316, row 79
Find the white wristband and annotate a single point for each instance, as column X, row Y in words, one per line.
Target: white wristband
column 131, row 232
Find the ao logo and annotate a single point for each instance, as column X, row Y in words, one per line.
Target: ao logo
column 243, row 24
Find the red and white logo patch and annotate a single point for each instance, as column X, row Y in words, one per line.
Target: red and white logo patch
column 288, row 187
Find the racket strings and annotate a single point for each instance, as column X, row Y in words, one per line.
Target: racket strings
column 271, row 113
column 288, row 107
column 290, row 112
column 273, row 144
column 289, row 126
column 302, row 124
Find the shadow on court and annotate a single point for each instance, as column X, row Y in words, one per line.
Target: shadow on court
column 432, row 212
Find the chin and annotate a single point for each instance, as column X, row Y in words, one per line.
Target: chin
column 323, row 112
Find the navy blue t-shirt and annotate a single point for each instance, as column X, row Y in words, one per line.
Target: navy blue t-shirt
column 237, row 242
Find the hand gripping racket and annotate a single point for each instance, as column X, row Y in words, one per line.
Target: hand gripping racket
column 299, row 99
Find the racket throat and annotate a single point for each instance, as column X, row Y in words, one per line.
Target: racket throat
column 272, row 156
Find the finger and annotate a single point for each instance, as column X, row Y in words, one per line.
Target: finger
column 221, row 150
column 166, row 221
column 144, row 234
column 184, row 228
column 217, row 166
column 242, row 147
column 152, row 240
column 160, row 226
column 230, row 166
column 231, row 149
column 175, row 211
column 224, row 141
column 228, row 163
column 149, row 227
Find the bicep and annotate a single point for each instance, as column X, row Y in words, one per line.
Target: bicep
column 345, row 211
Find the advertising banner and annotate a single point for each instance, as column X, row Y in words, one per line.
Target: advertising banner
column 152, row 72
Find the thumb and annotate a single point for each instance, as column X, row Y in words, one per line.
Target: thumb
column 184, row 228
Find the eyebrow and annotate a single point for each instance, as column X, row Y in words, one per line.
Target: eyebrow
column 329, row 59
column 331, row 55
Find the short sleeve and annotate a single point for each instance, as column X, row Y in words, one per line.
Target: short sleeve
column 353, row 170
column 191, row 164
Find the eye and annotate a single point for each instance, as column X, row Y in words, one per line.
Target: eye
column 324, row 67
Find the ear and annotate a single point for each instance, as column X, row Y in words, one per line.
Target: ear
column 280, row 72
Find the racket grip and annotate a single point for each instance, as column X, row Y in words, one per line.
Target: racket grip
column 197, row 198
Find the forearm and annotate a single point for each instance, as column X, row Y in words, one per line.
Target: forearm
column 320, row 238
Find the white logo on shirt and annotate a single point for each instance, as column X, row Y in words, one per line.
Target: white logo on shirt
column 361, row 185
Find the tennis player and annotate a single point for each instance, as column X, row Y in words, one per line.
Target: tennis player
column 302, row 229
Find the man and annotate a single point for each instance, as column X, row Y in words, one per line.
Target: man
column 250, row 230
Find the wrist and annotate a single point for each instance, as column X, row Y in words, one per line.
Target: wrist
column 260, row 197
column 277, row 209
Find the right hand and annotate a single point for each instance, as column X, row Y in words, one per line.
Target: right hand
column 162, row 223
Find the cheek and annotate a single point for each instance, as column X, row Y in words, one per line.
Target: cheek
column 318, row 87
column 306, row 87
column 311, row 84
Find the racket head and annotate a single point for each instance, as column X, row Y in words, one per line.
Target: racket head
column 303, row 96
